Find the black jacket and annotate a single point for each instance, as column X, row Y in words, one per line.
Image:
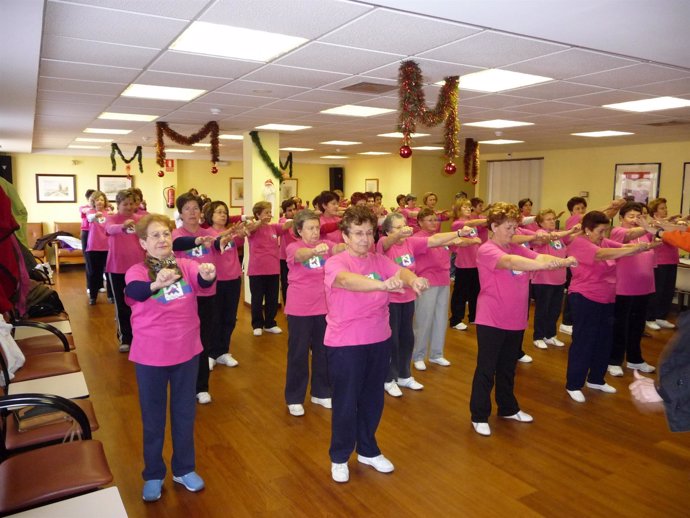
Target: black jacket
column 673, row 383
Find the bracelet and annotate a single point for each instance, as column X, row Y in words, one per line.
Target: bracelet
column 458, row 233
column 658, row 233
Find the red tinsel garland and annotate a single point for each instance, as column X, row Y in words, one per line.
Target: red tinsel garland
column 162, row 129
column 471, row 160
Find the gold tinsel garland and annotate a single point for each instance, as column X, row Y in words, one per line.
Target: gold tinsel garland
column 162, row 129
column 471, row 160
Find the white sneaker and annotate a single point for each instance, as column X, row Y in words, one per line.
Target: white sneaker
column 227, row 360
column 554, row 341
column 124, row 348
column 651, row 324
column 615, row 370
column 258, row 331
column 440, row 361
column 642, row 367
column 540, row 344
column 482, row 428
column 566, row 330
column 420, row 365
column 521, row 416
column 379, row 463
column 525, row 358
column 204, row 398
column 211, row 364
column 296, row 410
column 101, row 290
column 340, row 472
column 604, row 388
column 664, row 324
column 323, row 401
column 460, row 327
column 576, row 395
column 275, row 330
column 410, row 383
column 392, row 389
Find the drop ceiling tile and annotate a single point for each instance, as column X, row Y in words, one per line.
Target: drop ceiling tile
column 606, row 97
column 180, row 80
column 497, row 101
column 125, row 104
column 675, row 87
column 335, row 58
column 260, row 89
column 181, row 9
column 556, row 90
column 293, row 76
column 632, row 76
column 570, row 63
column 86, row 72
column 432, row 71
column 331, row 97
column 69, row 109
column 63, row 48
column 222, row 99
column 172, row 61
column 86, row 87
column 68, row 97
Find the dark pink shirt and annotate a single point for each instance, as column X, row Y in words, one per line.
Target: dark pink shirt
column 306, row 292
column 124, row 249
column 634, row 273
column 405, row 254
column 551, row 277
column 264, row 250
column 435, row 264
column 592, row 278
column 465, row 256
column 227, row 262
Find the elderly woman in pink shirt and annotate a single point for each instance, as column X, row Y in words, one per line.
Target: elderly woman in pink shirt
column 96, row 251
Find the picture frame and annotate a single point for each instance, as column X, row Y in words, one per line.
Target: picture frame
column 371, row 185
column 237, row 192
column 288, row 188
column 56, row 188
column 637, row 182
column 110, row 184
column 685, row 193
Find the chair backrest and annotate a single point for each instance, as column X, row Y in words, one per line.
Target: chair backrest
column 33, row 232
column 73, row 227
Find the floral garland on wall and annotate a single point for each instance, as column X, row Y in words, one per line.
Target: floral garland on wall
column 114, row 148
column 277, row 173
column 413, row 109
column 471, row 159
column 210, row 128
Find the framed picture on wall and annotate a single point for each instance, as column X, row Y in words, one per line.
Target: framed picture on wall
column 110, row 185
column 288, row 188
column 371, row 185
column 56, row 188
column 685, row 193
column 237, row 192
column 637, row 182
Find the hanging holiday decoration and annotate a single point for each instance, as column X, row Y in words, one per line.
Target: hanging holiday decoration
column 214, row 170
column 450, row 169
column 161, row 174
column 413, row 109
column 114, row 148
column 280, row 176
column 471, row 160
column 210, row 128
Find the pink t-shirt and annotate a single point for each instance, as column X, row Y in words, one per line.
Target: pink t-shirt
column 465, row 256
column 166, row 325
column 98, row 240
column 435, row 264
column 666, row 254
column 482, row 231
column 635, row 273
column 336, row 235
column 502, row 301
column 227, row 262
column 264, row 250
column 574, row 219
column 405, row 254
column 411, row 220
column 83, row 211
column 285, row 239
column 199, row 254
column 124, row 249
column 592, row 278
column 551, row 277
column 306, row 294
column 355, row 317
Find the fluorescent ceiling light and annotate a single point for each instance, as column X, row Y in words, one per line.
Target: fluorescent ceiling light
column 201, row 144
column 87, row 139
column 231, row 137
column 296, row 149
column 162, row 93
column 106, row 131
column 495, row 80
column 499, row 123
column 127, row 117
column 213, row 39
column 374, row 153
column 353, row 110
column 77, row 146
column 179, row 150
column 606, row 133
column 428, row 148
column 341, row 143
column 501, row 141
column 282, row 127
column 650, row 105
column 397, row 134
column 335, row 157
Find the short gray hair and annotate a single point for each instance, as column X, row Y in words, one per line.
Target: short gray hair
column 387, row 224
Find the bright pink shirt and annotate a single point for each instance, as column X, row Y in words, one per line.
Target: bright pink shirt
column 411, row 221
column 355, row 317
column 666, row 254
column 483, row 230
column 124, row 249
column 465, row 256
column 551, row 277
column 264, row 250
column 227, row 262
column 592, row 278
column 199, row 254
column 285, row 239
column 503, row 298
column 83, row 211
column 336, row 235
column 98, row 240
column 306, row 293
column 166, row 325
column 634, row 273
column 574, row 219
column 435, row 264
column 405, row 254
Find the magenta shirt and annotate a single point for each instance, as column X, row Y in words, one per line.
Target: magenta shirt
column 83, row 211
column 503, row 297
column 435, row 264
column 166, row 325
column 285, row 239
column 482, row 231
column 227, row 263
column 124, row 249
column 574, row 219
column 593, row 279
column 336, row 236
column 306, row 294
column 666, row 254
column 405, row 254
column 411, row 221
column 199, row 254
column 635, row 273
column 465, row 256
column 98, row 240
column 354, row 317
column 264, row 250
column 551, row 277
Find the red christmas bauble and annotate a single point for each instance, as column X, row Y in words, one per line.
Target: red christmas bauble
column 475, row 181
column 467, row 178
column 405, row 151
column 450, row 168
column 214, row 170
column 161, row 174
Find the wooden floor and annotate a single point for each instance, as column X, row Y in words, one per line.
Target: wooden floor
column 602, row 458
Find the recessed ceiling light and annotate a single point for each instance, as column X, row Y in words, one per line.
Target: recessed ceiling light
column 374, row 153
column 106, row 131
column 501, row 141
column 77, row 146
column 296, row 149
column 179, row 150
column 427, row 148
column 201, row 144
column 495, row 80
column 282, row 127
column 164, row 93
column 397, row 134
column 127, row 117
column 334, row 157
column 87, row 139
column 340, row 143
column 606, row 133
column 214, row 39
column 353, row 110
column 650, row 105
column 231, row 137
column 499, row 123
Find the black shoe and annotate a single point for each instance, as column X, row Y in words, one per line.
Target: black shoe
column 92, row 302
column 111, row 300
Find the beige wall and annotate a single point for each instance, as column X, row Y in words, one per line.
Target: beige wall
column 393, row 173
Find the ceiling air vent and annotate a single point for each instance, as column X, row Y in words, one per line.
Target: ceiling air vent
column 369, row 88
column 668, row 124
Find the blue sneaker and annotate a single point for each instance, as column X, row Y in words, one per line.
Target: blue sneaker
column 191, row 481
column 152, row 490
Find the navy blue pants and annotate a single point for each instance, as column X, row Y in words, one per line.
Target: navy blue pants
column 665, row 282
column 628, row 326
column 123, row 313
column 547, row 307
column 465, row 293
column 306, row 333
column 402, row 339
column 264, row 287
column 206, row 308
column 357, row 374
column 227, row 300
column 153, row 399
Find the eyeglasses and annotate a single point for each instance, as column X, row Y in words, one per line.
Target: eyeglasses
column 362, row 233
column 157, row 235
